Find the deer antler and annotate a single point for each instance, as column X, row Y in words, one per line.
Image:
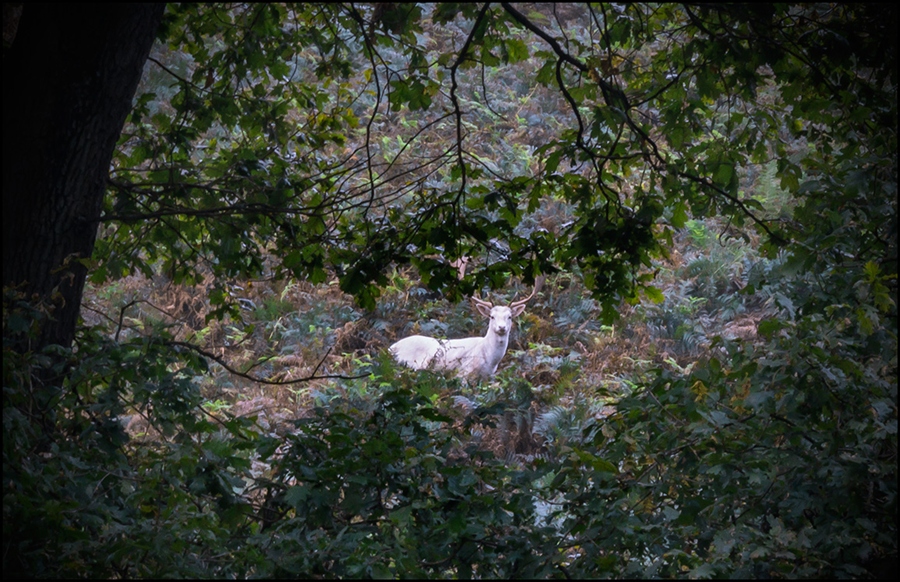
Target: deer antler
column 482, row 302
column 538, row 283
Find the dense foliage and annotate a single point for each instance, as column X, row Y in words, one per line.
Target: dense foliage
column 348, row 142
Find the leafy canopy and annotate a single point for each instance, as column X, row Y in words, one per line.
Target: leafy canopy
column 261, row 132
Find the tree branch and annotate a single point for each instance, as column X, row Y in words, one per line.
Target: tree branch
column 246, row 376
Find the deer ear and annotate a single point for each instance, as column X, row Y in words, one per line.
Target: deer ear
column 483, row 309
column 517, row 310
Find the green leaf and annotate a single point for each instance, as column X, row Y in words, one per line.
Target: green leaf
column 654, row 294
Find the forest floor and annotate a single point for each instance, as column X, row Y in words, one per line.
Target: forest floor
column 308, row 341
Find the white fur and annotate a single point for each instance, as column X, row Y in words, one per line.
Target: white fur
column 471, row 356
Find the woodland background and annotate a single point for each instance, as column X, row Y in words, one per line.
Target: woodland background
column 218, row 217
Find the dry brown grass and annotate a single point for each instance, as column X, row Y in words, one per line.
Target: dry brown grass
column 291, row 330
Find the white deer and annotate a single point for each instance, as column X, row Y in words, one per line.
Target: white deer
column 471, row 356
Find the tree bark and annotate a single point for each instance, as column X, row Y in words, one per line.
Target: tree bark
column 69, row 77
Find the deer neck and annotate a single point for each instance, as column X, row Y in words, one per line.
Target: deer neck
column 494, row 347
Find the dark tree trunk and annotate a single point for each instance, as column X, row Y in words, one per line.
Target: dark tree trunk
column 69, row 78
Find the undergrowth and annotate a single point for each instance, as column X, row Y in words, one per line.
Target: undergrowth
column 571, row 366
